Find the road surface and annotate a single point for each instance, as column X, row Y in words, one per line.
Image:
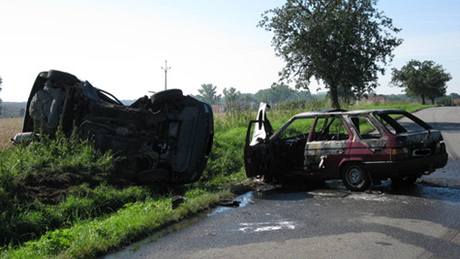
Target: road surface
column 420, row 222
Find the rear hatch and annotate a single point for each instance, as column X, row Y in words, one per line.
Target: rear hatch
column 415, row 138
column 422, row 144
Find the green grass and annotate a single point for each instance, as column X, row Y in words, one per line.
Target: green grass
column 93, row 238
column 94, row 217
column 28, row 209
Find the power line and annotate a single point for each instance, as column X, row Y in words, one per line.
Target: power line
column 166, row 69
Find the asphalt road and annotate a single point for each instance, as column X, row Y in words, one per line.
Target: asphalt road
column 329, row 222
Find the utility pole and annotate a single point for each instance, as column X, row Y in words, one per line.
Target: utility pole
column 166, row 69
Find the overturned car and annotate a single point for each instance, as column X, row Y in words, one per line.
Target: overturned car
column 356, row 146
column 164, row 138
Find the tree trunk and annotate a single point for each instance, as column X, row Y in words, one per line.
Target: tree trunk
column 334, row 98
column 423, row 99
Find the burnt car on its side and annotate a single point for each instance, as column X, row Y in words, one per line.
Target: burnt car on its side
column 358, row 147
column 163, row 138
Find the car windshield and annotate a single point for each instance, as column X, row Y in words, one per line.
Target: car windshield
column 398, row 122
column 298, row 128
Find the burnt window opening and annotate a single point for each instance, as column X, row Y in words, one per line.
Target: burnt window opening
column 397, row 123
column 365, row 128
column 330, row 128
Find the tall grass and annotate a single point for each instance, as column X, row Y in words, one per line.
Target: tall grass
column 8, row 128
column 34, row 177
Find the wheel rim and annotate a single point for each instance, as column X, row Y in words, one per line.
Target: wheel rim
column 355, row 177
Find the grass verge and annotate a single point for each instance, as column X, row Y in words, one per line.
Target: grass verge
column 93, row 238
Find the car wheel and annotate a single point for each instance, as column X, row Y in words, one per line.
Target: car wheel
column 406, row 180
column 355, row 177
column 163, row 98
column 167, row 95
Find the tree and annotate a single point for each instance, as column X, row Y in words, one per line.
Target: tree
column 425, row 79
column 231, row 99
column 208, row 94
column 343, row 43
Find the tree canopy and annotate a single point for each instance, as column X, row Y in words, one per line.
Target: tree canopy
column 208, row 94
column 343, row 43
column 425, row 79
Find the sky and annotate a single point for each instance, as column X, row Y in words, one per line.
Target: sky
column 120, row 46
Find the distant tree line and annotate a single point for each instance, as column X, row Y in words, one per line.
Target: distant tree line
column 233, row 100
column 453, row 99
column 281, row 95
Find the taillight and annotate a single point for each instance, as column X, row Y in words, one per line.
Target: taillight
column 400, row 152
column 440, row 147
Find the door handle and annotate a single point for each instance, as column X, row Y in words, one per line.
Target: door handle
column 340, row 151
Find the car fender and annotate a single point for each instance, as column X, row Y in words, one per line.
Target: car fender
column 348, row 160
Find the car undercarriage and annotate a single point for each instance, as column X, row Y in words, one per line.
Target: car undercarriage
column 163, row 138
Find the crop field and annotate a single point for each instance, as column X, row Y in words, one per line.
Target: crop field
column 8, row 128
column 58, row 198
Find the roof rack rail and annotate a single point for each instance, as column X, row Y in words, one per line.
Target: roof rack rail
column 334, row 110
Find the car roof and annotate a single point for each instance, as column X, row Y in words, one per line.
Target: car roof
column 340, row 112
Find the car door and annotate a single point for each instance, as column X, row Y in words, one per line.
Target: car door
column 369, row 146
column 256, row 150
column 327, row 146
column 288, row 145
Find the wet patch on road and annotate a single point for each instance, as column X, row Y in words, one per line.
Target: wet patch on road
column 329, row 193
column 383, row 192
column 369, row 197
column 243, row 200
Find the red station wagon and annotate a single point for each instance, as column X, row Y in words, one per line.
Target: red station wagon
column 355, row 146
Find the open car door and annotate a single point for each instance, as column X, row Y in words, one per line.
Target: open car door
column 256, row 155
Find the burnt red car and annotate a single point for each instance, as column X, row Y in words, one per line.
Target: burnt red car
column 355, row 146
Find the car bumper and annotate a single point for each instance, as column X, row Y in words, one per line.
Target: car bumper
column 408, row 167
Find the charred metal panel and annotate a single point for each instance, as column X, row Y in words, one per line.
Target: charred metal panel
column 322, row 154
column 167, row 136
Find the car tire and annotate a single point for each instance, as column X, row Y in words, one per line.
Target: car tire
column 404, row 181
column 355, row 177
column 167, row 95
column 165, row 98
column 62, row 78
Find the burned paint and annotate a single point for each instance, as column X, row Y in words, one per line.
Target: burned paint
column 357, row 146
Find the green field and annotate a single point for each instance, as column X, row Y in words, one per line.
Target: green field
column 83, row 215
